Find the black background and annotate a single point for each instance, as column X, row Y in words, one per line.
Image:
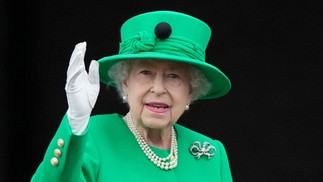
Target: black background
column 270, row 122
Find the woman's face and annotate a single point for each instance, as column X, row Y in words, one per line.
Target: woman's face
column 158, row 92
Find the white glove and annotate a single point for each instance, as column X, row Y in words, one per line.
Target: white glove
column 82, row 89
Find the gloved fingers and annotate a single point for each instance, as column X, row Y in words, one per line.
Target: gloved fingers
column 94, row 80
column 94, row 76
column 76, row 64
column 76, row 70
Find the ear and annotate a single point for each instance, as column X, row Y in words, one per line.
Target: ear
column 125, row 87
column 190, row 97
column 189, row 101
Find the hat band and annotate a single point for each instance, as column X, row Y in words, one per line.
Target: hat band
column 174, row 45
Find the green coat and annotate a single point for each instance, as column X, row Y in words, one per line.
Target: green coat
column 108, row 151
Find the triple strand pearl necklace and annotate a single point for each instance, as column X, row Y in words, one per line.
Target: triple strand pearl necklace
column 165, row 163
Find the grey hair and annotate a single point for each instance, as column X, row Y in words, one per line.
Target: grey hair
column 200, row 86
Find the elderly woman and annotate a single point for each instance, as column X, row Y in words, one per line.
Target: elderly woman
column 159, row 71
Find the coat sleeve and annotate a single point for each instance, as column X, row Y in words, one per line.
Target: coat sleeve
column 225, row 166
column 64, row 159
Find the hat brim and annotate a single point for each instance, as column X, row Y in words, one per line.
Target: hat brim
column 220, row 82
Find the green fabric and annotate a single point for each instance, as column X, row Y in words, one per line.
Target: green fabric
column 109, row 152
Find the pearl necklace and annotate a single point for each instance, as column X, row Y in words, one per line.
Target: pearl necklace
column 165, row 163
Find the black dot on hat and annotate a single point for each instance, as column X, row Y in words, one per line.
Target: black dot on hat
column 163, row 30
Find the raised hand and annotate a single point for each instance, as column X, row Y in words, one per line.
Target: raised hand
column 82, row 89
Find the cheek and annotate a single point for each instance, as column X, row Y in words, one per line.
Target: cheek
column 180, row 99
column 182, row 95
column 136, row 96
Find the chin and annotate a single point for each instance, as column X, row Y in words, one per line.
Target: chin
column 156, row 123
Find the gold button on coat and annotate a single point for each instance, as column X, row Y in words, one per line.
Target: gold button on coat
column 54, row 161
column 57, row 152
column 60, row 142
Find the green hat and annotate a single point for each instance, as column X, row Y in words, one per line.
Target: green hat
column 167, row 35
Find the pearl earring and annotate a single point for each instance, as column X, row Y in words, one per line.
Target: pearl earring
column 187, row 107
column 125, row 98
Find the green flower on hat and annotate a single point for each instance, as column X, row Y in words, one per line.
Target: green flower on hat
column 143, row 41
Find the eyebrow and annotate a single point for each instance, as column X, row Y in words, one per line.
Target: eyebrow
column 149, row 63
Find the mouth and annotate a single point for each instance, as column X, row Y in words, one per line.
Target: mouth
column 157, row 107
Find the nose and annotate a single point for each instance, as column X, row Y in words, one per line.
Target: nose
column 158, row 86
